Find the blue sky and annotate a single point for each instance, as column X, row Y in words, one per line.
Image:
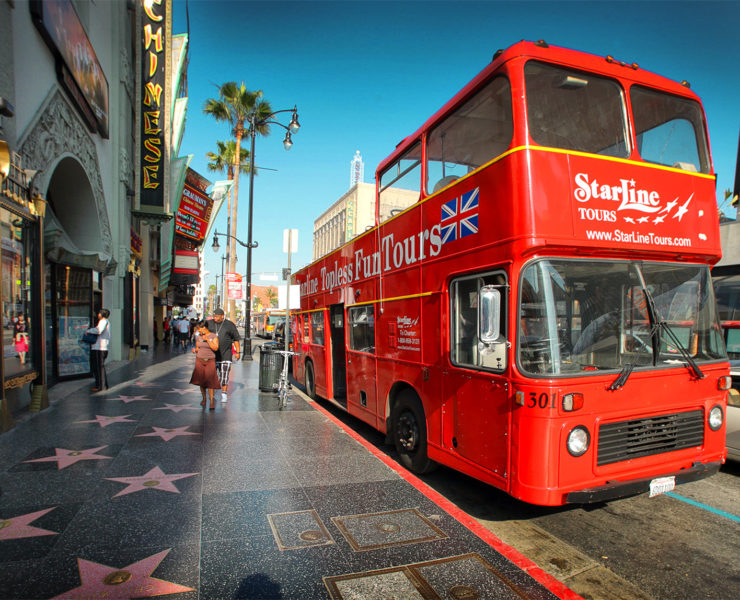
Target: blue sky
column 365, row 74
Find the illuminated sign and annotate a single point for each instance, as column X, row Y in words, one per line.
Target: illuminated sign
column 194, row 214
column 154, row 25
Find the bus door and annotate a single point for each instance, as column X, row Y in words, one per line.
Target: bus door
column 361, row 357
column 338, row 365
column 475, row 389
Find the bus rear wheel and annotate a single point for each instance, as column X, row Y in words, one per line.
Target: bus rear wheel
column 310, row 381
column 410, row 434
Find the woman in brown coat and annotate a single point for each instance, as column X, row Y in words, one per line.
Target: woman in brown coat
column 204, row 372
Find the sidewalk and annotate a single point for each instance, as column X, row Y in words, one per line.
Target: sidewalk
column 139, row 492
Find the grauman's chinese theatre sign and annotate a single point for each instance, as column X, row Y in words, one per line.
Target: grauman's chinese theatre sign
column 153, row 173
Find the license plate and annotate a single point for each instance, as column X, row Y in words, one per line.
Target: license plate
column 661, row 485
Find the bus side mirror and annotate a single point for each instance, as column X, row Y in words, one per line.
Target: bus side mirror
column 489, row 314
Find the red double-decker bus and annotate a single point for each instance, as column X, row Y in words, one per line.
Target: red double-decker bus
column 534, row 306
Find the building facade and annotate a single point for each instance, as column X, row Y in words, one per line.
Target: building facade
column 354, row 213
column 76, row 232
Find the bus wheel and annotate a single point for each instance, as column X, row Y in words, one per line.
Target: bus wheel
column 310, row 381
column 410, row 434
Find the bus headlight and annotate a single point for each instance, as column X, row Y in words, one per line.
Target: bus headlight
column 578, row 441
column 716, row 418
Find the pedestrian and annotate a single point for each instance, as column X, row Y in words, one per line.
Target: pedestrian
column 21, row 337
column 183, row 329
column 204, row 371
column 166, row 327
column 99, row 350
column 228, row 347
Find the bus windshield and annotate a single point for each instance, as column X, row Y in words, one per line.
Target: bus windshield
column 578, row 316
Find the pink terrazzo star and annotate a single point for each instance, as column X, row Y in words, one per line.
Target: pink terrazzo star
column 127, row 399
column 177, row 407
column 104, row 421
column 145, row 384
column 132, row 581
column 180, row 391
column 153, row 480
column 18, row 527
column 65, row 458
column 168, row 433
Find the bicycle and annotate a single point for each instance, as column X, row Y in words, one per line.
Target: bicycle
column 284, row 386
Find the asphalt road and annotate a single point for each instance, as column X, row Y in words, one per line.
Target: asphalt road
column 685, row 545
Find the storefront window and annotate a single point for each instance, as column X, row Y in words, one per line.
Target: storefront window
column 73, row 310
column 16, row 293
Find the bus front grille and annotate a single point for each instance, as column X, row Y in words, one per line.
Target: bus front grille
column 653, row 435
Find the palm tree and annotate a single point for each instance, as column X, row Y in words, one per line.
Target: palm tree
column 224, row 161
column 239, row 107
column 272, row 296
column 211, row 296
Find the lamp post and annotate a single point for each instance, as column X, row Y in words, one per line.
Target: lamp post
column 216, row 247
column 224, row 258
column 290, row 128
column 217, row 299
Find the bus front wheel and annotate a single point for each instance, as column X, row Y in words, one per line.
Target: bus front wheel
column 410, row 434
column 310, row 381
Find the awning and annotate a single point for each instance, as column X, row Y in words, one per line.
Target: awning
column 61, row 249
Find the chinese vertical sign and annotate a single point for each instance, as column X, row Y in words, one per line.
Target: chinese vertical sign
column 155, row 24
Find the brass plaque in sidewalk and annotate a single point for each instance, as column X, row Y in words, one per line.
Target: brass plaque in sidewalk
column 465, row 577
column 301, row 529
column 386, row 529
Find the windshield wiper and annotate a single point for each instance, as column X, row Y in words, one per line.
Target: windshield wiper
column 661, row 325
column 685, row 353
column 623, row 376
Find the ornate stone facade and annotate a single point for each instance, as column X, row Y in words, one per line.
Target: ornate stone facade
column 55, row 132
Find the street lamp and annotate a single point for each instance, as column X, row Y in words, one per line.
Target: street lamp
column 290, row 129
column 216, row 247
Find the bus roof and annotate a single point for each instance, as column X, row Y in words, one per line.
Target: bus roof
column 604, row 65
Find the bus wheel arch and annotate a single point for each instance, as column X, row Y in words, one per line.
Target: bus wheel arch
column 309, row 379
column 408, row 430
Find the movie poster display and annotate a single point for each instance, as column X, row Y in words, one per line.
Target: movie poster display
column 78, row 67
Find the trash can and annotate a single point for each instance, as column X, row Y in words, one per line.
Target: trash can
column 271, row 364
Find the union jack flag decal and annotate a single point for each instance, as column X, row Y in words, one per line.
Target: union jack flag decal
column 460, row 217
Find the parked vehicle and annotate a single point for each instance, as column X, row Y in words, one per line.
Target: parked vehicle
column 534, row 306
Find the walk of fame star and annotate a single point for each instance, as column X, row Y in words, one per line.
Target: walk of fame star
column 177, row 407
column 104, row 421
column 131, row 581
column 167, row 434
column 65, row 458
column 145, row 384
column 127, row 399
column 18, row 527
column 180, row 391
column 153, row 480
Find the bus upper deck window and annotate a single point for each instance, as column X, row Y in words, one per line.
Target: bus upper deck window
column 576, row 111
column 400, row 184
column 670, row 130
column 477, row 131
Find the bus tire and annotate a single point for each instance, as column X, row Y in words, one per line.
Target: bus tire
column 309, row 381
column 410, row 433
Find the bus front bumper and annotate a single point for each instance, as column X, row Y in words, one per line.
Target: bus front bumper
column 623, row 489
